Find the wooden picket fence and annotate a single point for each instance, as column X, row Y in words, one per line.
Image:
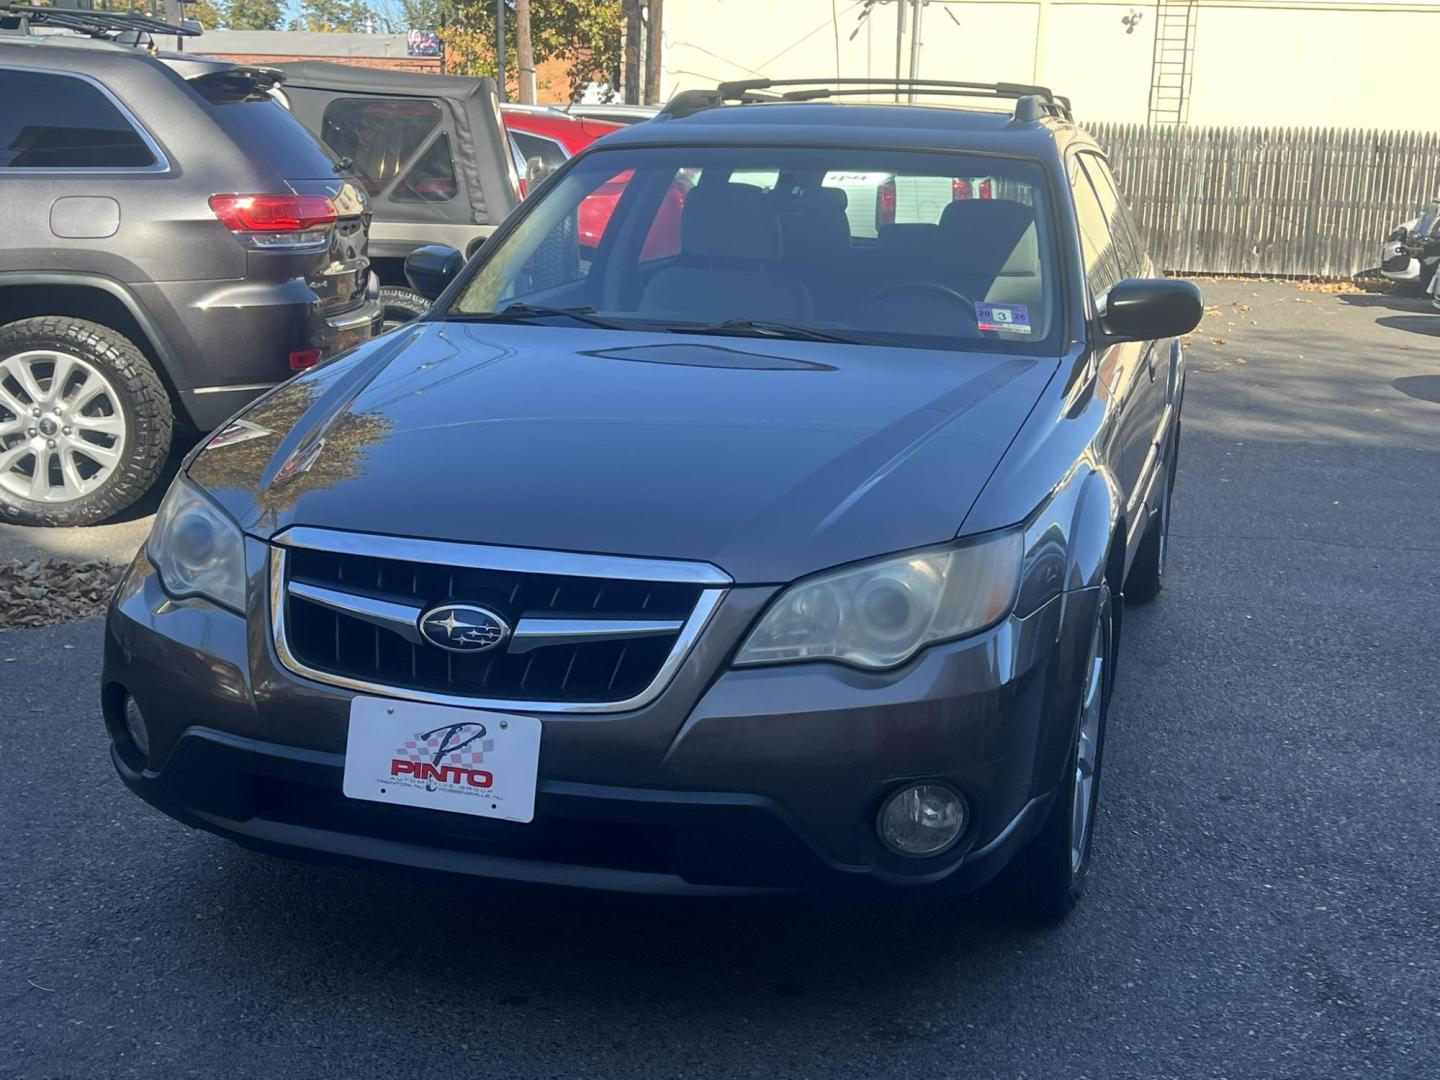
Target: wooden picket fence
column 1292, row 202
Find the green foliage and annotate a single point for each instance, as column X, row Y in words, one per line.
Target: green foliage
column 586, row 33
column 253, row 14
column 205, row 13
column 333, row 15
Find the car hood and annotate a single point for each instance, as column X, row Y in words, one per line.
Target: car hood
column 768, row 458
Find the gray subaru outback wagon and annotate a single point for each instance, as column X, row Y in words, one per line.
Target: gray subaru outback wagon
column 771, row 531
column 174, row 243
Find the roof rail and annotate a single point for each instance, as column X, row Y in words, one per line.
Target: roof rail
column 1031, row 102
column 107, row 25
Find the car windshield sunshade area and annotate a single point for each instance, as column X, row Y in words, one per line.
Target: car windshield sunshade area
column 909, row 248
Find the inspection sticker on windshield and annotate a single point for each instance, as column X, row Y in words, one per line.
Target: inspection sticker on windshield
column 1011, row 318
column 442, row 758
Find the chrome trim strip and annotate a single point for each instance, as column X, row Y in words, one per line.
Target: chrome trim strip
column 705, row 608
column 537, row 633
column 248, row 388
column 360, row 317
column 161, row 165
column 514, row 560
column 401, row 619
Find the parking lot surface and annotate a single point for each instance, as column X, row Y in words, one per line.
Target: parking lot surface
column 1265, row 900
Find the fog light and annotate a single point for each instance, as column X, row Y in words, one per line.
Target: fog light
column 922, row 820
column 135, row 726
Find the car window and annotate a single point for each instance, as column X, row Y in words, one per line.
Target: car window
column 379, row 134
column 1102, row 255
column 432, row 178
column 550, row 152
column 1119, row 220
column 274, row 136
column 61, row 122
column 683, row 236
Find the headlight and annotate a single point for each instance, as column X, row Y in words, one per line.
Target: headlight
column 196, row 549
column 881, row 613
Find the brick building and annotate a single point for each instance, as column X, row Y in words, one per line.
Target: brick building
column 384, row 51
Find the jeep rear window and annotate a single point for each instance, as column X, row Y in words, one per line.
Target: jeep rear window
column 61, row 122
column 934, row 250
column 380, row 134
column 276, row 137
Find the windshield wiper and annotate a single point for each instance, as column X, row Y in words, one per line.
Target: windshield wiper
column 769, row 328
column 526, row 312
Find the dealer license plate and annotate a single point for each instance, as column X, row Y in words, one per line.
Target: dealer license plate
column 442, row 758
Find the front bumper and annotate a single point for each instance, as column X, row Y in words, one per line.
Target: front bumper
column 754, row 780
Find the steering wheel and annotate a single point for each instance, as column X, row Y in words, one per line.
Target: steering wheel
column 922, row 288
column 936, row 301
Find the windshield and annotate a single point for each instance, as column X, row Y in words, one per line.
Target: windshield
column 923, row 249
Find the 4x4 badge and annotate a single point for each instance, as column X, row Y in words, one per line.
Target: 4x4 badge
column 463, row 628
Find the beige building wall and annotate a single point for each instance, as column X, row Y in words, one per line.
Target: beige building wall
column 1256, row 62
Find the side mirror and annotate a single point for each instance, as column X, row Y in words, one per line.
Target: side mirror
column 1142, row 309
column 432, row 267
column 535, row 171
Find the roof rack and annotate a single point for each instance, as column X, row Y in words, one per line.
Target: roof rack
column 130, row 28
column 1031, row 102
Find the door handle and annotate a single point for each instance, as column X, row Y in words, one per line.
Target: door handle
column 1153, row 360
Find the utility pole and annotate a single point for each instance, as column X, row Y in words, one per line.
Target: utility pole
column 524, row 52
column 915, row 45
column 630, row 76
column 500, row 47
column 653, row 57
column 899, row 39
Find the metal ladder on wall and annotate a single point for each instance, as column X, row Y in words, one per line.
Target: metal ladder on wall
column 1171, row 65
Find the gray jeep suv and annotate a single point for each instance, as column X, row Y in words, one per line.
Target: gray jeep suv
column 175, row 243
column 722, row 545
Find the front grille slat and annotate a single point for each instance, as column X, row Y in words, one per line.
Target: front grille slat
column 328, row 631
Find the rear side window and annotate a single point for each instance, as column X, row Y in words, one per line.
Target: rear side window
column 380, row 135
column 550, row 152
column 432, row 178
column 61, row 122
column 276, row 137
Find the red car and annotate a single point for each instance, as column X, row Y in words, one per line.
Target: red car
column 554, row 137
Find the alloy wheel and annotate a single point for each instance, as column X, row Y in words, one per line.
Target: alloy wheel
column 1087, row 747
column 62, row 431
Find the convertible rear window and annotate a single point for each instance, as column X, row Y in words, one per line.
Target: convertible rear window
column 928, row 249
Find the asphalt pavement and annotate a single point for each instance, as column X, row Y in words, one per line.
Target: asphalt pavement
column 1265, row 901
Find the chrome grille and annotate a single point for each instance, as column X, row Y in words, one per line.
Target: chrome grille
column 590, row 633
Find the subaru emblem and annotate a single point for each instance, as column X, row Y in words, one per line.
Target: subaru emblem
column 463, row 628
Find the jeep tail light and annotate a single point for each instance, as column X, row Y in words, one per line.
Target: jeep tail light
column 885, row 204
column 960, row 190
column 987, row 188
column 304, row 359
column 276, row 222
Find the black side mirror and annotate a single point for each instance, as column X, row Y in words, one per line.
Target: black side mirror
column 1142, row 309
column 432, row 267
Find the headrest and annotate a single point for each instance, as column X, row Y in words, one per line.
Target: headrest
column 986, row 222
column 814, row 225
column 729, row 221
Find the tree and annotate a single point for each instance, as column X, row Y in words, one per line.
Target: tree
column 205, row 13
column 584, row 33
column 328, row 16
column 253, row 15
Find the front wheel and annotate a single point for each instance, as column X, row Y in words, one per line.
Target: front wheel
column 1047, row 878
column 85, row 422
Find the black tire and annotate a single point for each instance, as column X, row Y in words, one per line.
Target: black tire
column 139, row 399
column 1043, row 883
column 401, row 305
column 1147, row 574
